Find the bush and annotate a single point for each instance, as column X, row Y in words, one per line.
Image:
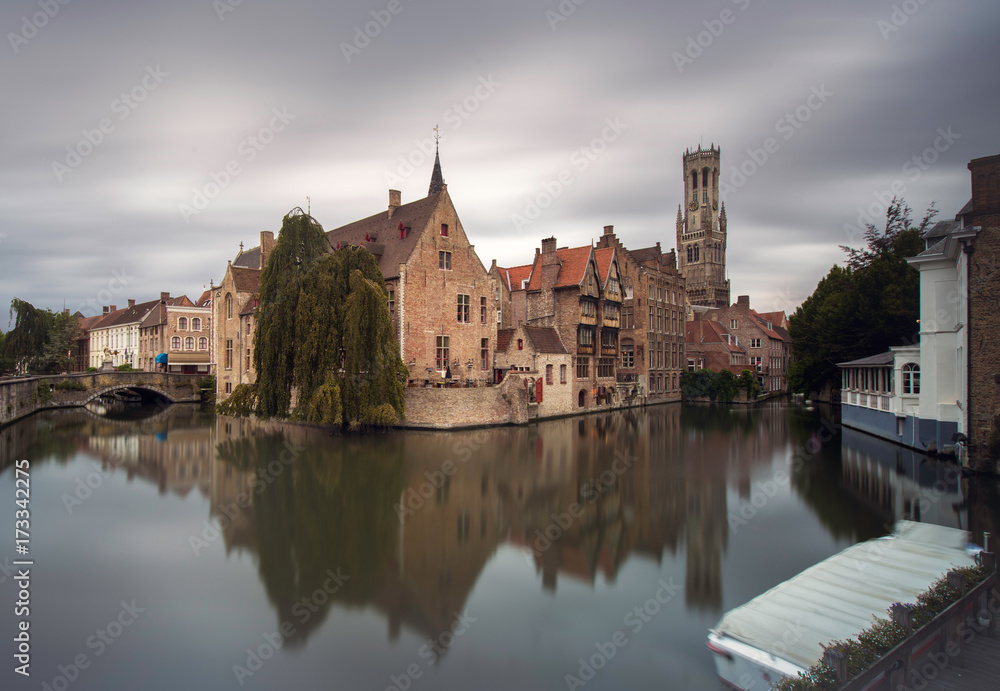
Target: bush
column 91, row 369
column 126, row 368
column 207, row 386
column 44, row 392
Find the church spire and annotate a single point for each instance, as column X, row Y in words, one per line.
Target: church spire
column 437, row 179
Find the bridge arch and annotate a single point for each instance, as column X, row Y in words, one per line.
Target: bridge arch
column 129, row 387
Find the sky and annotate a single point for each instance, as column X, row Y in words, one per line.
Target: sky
column 143, row 142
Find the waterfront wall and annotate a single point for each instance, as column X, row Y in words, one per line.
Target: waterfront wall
column 18, row 398
column 929, row 436
column 433, row 408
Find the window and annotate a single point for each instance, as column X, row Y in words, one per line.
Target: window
column 248, row 359
column 463, row 309
column 659, row 319
column 444, row 230
column 196, row 324
column 482, row 310
column 911, row 378
column 755, row 343
column 613, row 286
column 628, row 320
column 403, row 231
column 229, row 305
column 189, row 343
column 444, row 260
column 175, row 343
column 628, row 355
column 611, row 310
column 734, row 324
column 443, row 352
column 548, row 374
column 484, row 353
column 229, row 389
column 229, row 353
column 392, row 304
column 582, row 367
column 562, row 374
column 690, row 364
column 755, row 361
column 498, row 316
column 588, row 308
column 182, row 324
column 585, row 337
column 606, row 367
column 520, row 344
column 609, row 340
column 202, row 343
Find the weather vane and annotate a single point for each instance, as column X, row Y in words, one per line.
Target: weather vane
column 437, row 137
column 308, row 206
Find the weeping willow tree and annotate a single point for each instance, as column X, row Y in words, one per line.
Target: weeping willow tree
column 39, row 340
column 301, row 243
column 323, row 330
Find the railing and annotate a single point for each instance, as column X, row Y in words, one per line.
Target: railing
column 940, row 641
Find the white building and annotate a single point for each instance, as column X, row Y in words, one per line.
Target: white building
column 917, row 395
column 118, row 331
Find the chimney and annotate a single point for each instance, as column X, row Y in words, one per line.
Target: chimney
column 743, row 301
column 548, row 245
column 395, row 201
column 131, row 303
column 550, row 264
column 609, row 230
column 106, row 310
column 266, row 246
column 114, row 308
column 164, row 297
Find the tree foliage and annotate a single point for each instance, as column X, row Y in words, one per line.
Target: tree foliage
column 40, row 341
column 863, row 308
column 722, row 386
column 324, row 331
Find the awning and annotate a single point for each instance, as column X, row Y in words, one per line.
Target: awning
column 161, row 358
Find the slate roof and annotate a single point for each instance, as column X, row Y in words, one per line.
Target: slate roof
column 246, row 280
column 394, row 250
column 249, row 259
column 572, row 267
column 885, row 358
column 131, row 315
column 543, row 339
column 941, row 229
column 936, row 248
column 646, row 254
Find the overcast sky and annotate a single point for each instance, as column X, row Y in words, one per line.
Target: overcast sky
column 119, row 115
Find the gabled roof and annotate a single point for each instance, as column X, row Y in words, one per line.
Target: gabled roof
column 392, row 250
column 205, row 300
column 941, row 229
column 514, row 276
column 776, row 318
column 249, row 306
column 246, row 280
column 605, row 257
column 886, row 358
column 762, row 325
column 134, row 314
column 573, row 262
column 543, row 339
column 249, row 259
column 701, row 331
column 87, row 323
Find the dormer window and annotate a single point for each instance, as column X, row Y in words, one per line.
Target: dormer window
column 403, row 231
column 444, row 230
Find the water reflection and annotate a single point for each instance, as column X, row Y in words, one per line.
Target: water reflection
column 415, row 520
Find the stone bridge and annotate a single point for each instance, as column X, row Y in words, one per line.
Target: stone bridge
column 21, row 397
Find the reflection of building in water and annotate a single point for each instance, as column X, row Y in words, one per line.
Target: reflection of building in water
column 901, row 483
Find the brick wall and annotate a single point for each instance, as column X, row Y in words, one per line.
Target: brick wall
column 436, row 408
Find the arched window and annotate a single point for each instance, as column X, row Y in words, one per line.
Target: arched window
column 175, row 343
column 229, row 305
column 202, row 343
column 196, row 324
column 189, row 343
column 582, row 398
column 694, row 181
column 182, row 324
column 704, row 177
column 911, row 378
column 696, row 252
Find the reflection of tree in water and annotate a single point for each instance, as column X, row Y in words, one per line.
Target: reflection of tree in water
column 330, row 509
column 816, row 477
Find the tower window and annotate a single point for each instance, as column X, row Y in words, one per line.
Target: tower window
column 444, row 230
column 694, row 179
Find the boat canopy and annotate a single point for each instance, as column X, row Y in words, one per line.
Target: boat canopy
column 843, row 595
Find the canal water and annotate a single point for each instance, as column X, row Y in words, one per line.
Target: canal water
column 188, row 551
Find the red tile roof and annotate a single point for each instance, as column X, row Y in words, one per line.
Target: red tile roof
column 503, row 339
column 514, row 276
column 545, row 339
column 573, row 263
column 604, row 256
column 246, row 280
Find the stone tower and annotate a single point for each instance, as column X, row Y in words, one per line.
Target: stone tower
column 701, row 231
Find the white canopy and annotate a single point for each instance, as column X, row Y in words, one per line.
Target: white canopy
column 841, row 596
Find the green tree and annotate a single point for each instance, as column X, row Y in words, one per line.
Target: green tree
column 861, row 309
column 40, row 339
column 55, row 354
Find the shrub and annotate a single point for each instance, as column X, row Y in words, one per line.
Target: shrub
column 241, row 402
column 44, row 392
column 71, row 386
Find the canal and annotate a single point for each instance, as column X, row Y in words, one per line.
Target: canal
column 188, row 551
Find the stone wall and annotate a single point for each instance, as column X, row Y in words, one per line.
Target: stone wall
column 17, row 399
column 436, row 408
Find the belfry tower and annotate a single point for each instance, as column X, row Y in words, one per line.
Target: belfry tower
column 701, row 230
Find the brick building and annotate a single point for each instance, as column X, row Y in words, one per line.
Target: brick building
column 763, row 336
column 702, row 231
column 577, row 291
column 652, row 319
column 538, row 355
column 510, row 281
column 442, row 301
column 984, row 295
column 710, row 345
column 181, row 330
